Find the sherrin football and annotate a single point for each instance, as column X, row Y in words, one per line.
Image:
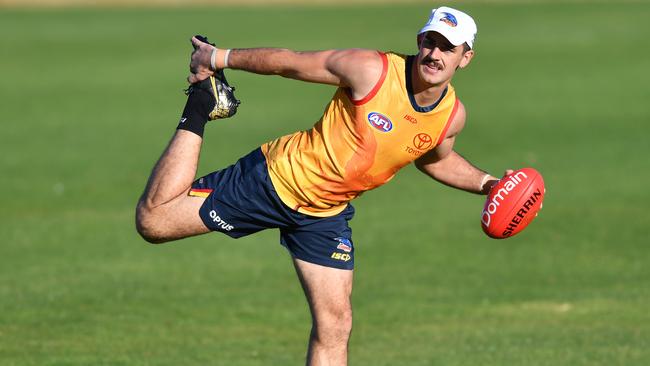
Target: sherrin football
column 513, row 203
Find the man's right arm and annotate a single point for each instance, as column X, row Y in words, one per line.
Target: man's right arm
column 356, row 69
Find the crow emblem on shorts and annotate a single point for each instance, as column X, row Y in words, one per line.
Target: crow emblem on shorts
column 344, row 244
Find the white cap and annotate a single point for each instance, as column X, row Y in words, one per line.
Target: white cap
column 453, row 24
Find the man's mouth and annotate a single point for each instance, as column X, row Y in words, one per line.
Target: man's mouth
column 433, row 66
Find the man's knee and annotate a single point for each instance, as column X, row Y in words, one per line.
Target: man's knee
column 334, row 328
column 173, row 220
column 148, row 224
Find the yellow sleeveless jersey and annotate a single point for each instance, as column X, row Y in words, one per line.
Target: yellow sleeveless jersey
column 357, row 145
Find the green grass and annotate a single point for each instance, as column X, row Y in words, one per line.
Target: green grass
column 91, row 97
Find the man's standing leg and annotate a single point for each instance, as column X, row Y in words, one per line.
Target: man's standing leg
column 328, row 292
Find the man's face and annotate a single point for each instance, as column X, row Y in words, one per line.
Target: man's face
column 438, row 59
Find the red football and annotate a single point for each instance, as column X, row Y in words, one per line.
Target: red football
column 513, row 203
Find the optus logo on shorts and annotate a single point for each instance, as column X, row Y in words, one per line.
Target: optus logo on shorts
column 380, row 122
column 219, row 221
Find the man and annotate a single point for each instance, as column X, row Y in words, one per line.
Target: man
column 389, row 110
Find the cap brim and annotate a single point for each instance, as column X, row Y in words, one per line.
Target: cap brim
column 445, row 31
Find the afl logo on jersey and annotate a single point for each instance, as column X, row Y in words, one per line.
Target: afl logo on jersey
column 380, row 122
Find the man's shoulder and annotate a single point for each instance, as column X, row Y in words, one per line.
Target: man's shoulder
column 395, row 58
column 395, row 55
column 457, row 119
column 361, row 70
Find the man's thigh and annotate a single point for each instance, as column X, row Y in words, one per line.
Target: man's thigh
column 180, row 218
column 327, row 290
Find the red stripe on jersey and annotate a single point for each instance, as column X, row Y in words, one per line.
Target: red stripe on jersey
column 451, row 118
column 375, row 89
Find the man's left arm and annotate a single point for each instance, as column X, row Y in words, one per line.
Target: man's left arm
column 448, row 167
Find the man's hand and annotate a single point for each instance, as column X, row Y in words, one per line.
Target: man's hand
column 200, row 68
column 488, row 183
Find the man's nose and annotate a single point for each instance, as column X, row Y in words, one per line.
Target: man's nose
column 435, row 53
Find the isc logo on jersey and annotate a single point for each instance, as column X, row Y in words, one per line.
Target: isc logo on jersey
column 380, row 122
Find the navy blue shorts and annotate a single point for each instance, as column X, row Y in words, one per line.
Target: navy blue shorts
column 242, row 201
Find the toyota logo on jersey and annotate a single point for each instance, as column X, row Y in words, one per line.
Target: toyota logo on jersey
column 380, row 122
column 422, row 141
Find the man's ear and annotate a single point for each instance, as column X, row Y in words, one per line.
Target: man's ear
column 467, row 57
column 420, row 38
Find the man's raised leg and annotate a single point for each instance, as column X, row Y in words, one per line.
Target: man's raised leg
column 328, row 292
column 165, row 211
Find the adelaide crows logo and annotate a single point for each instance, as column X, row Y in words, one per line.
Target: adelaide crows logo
column 344, row 244
column 449, row 19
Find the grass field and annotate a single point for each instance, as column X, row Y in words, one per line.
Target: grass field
column 90, row 97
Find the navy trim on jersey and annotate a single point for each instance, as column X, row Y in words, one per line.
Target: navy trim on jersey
column 409, row 89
